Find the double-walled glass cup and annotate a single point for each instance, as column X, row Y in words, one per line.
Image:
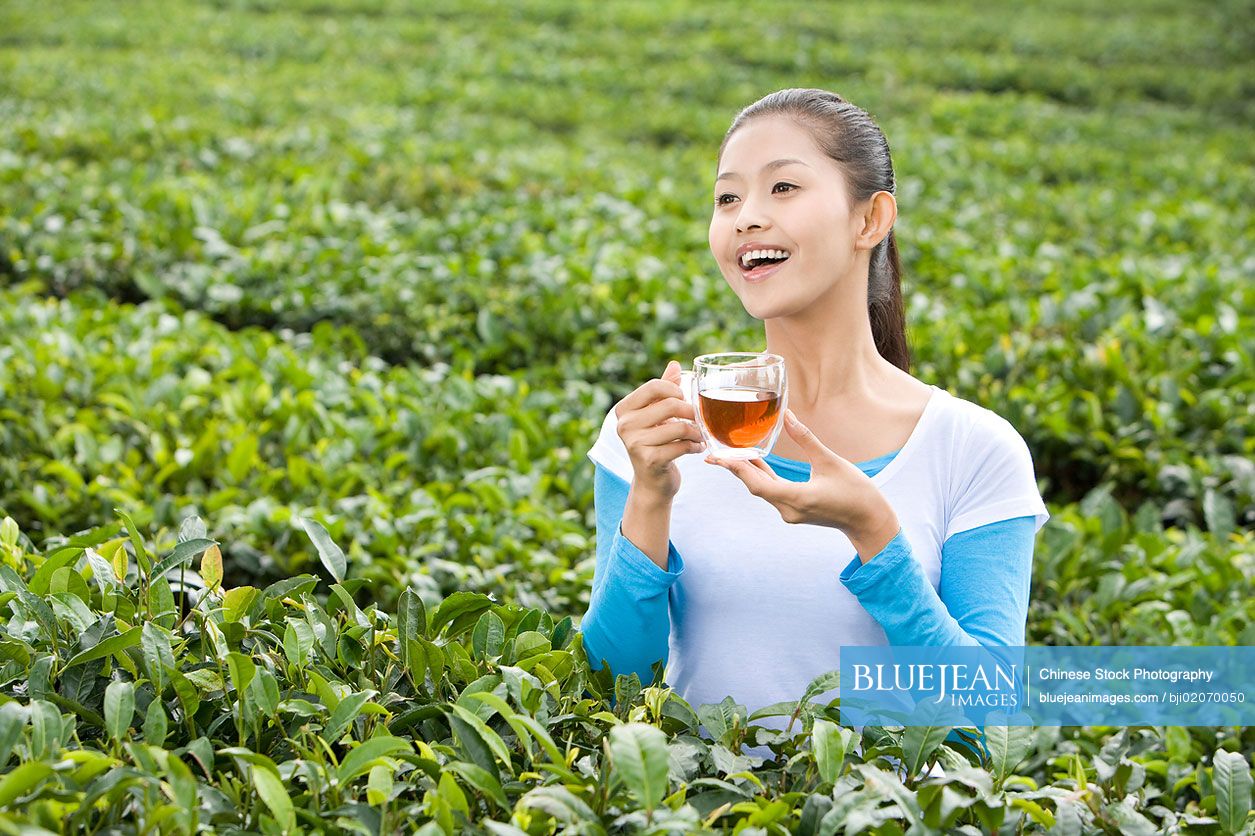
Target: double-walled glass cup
column 740, row 398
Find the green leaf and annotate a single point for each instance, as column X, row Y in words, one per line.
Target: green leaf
column 1008, row 745
column 1231, row 777
column 42, row 613
column 541, row 736
column 155, row 644
column 22, row 780
column 1180, row 746
column 638, row 752
column 457, row 605
column 119, row 708
column 161, row 602
column 188, row 696
column 1034, row 811
column 47, row 729
column 489, row 636
column 482, row 780
column 379, row 785
column 720, row 718
column 192, row 528
column 275, row 795
column 477, row 739
column 237, row 602
column 264, row 691
column 141, row 554
column 558, row 802
column 12, row 721
column 1218, row 513
column 918, row 744
column 344, row 714
column 359, row 760
column 821, row 684
column 181, row 554
column 330, row 554
column 113, row 644
column 828, row 743
column 115, row 553
column 530, row 643
column 155, row 724
column 102, row 572
column 295, row 586
column 411, row 620
column 249, row 756
column 298, row 642
column 39, row 583
column 9, row 532
column 242, row 669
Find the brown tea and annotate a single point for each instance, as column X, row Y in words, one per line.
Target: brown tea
column 739, row 416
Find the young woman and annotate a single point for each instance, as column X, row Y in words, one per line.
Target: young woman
column 889, row 512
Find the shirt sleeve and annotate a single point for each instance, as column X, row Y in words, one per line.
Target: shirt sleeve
column 609, row 452
column 996, row 480
column 628, row 622
column 982, row 599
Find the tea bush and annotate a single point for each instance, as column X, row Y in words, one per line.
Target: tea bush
column 481, row 482
column 136, row 701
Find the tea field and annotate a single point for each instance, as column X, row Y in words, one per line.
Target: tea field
column 310, row 310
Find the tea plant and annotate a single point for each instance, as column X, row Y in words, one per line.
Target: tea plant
column 135, row 703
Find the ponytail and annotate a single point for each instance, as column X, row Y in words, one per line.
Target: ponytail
column 884, row 304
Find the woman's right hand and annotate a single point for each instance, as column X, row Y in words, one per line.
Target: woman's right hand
column 652, row 440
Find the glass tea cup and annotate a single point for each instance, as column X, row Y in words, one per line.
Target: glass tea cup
column 739, row 398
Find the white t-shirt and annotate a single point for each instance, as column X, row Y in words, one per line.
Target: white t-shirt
column 759, row 610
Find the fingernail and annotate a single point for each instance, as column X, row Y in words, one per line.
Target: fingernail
column 790, row 417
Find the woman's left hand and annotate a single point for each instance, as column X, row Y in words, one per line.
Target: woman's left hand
column 838, row 495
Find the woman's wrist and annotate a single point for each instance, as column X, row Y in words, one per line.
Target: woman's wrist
column 876, row 527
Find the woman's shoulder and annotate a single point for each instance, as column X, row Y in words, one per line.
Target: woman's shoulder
column 979, row 427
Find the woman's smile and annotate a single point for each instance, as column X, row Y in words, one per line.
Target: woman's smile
column 757, row 260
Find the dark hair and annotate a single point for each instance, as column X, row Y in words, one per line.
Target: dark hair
column 847, row 134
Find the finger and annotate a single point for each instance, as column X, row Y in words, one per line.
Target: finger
column 805, row 439
column 666, row 433
column 664, row 453
column 672, row 372
column 647, row 393
column 758, row 484
column 765, row 468
column 659, row 412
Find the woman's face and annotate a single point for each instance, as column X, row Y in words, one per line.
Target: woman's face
column 776, row 194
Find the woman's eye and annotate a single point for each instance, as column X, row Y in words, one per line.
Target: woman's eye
column 785, row 185
column 724, row 199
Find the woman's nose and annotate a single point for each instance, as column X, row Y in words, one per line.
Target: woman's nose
column 751, row 217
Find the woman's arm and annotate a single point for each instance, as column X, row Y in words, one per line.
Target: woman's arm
column 628, row 623
column 982, row 599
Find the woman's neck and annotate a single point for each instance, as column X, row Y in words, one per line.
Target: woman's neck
column 830, row 361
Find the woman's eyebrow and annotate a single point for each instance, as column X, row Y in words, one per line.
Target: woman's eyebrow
column 771, row 166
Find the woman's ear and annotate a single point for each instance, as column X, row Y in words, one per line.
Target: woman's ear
column 879, row 214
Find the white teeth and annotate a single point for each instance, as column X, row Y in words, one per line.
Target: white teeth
column 757, row 254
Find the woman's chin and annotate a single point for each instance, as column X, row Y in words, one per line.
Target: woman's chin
column 763, row 310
